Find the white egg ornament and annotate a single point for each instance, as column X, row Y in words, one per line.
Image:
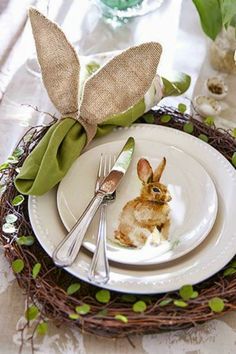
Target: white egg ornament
column 207, row 106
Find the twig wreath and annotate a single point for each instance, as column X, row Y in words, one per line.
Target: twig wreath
column 54, row 294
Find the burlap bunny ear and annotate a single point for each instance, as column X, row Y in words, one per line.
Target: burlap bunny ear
column 59, row 63
column 121, row 83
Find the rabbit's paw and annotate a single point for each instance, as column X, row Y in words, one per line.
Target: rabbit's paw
column 156, row 237
column 123, row 239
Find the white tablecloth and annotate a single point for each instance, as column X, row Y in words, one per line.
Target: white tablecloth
column 175, row 24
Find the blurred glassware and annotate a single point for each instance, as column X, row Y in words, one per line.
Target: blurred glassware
column 124, row 9
column 223, row 51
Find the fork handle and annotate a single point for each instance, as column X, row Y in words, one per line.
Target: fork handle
column 67, row 250
column 99, row 269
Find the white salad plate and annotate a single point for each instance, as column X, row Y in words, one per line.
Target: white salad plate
column 193, row 206
column 213, row 253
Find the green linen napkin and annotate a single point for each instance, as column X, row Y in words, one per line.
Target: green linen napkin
column 61, row 145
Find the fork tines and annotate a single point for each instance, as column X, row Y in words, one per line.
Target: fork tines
column 106, row 163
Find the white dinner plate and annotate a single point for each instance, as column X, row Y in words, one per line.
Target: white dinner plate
column 205, row 260
column 193, row 206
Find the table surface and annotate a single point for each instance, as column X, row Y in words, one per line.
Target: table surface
column 175, row 24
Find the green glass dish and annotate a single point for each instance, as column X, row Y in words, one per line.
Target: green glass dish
column 121, row 4
column 119, row 10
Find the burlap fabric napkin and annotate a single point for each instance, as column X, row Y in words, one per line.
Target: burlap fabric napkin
column 115, row 95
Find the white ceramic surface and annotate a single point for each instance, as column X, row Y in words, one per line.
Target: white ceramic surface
column 193, row 205
column 205, row 260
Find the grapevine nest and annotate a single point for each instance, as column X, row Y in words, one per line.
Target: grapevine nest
column 49, row 289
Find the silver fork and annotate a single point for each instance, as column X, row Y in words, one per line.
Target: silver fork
column 99, row 269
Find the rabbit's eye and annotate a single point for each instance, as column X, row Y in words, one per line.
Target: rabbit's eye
column 156, row 190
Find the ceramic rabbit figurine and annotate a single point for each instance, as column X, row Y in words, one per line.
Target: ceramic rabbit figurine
column 150, row 210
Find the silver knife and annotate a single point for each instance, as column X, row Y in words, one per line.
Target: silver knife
column 68, row 249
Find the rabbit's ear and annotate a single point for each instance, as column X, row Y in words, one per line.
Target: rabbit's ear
column 159, row 170
column 59, row 63
column 121, row 83
column 144, row 170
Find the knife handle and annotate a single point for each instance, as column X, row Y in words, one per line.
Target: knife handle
column 67, row 250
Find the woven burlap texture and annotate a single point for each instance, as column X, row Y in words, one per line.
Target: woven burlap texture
column 121, row 83
column 113, row 89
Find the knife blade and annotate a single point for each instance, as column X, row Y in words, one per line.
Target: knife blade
column 112, row 180
column 67, row 250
